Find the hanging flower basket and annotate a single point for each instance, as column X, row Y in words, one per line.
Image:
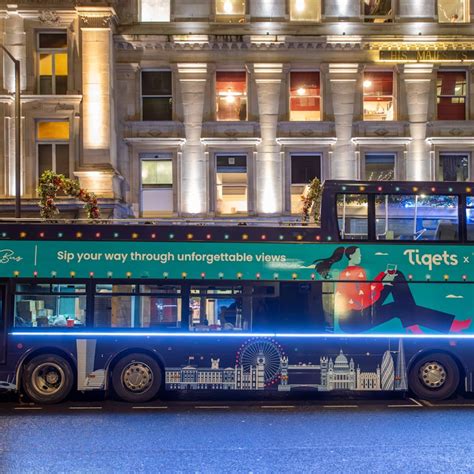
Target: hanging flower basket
column 311, row 198
column 49, row 185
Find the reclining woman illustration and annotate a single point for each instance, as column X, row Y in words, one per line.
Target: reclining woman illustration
column 360, row 304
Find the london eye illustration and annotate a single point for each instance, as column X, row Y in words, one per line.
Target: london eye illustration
column 263, row 351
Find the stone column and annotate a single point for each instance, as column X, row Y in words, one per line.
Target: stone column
column 343, row 80
column 417, row 79
column 268, row 167
column 99, row 157
column 194, row 176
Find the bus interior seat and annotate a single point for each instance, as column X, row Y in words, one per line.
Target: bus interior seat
column 446, row 230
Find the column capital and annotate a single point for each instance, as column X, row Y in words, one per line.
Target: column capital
column 101, row 17
column 416, row 72
column 191, row 72
column 344, row 72
column 266, row 72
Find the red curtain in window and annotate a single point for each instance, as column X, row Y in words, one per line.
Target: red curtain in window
column 378, row 83
column 236, row 81
column 305, row 89
column 451, row 103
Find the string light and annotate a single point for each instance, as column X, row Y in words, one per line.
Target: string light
column 73, row 274
column 128, row 274
column 97, row 234
column 78, row 235
column 184, row 275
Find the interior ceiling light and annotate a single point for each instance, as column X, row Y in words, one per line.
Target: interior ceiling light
column 228, row 7
column 367, row 83
column 301, row 91
column 300, row 6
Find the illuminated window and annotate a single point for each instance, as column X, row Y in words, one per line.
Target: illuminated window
column 304, row 168
column 231, row 95
column 53, row 147
column 231, row 184
column 156, row 185
column 379, row 166
column 53, row 59
column 305, row 96
column 155, row 10
column 453, row 11
column 305, row 10
column 378, row 95
column 157, row 95
column 230, row 10
column 377, row 11
column 451, row 95
column 453, row 167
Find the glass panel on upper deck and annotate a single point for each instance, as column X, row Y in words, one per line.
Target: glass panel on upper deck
column 416, row 217
column 470, row 217
column 352, row 216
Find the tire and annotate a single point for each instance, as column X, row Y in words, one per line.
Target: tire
column 434, row 377
column 136, row 378
column 47, row 379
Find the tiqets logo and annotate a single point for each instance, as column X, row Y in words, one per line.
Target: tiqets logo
column 7, row 255
column 431, row 259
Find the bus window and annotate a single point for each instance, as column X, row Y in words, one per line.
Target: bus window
column 217, row 309
column 130, row 306
column 416, row 217
column 352, row 216
column 50, row 305
column 289, row 306
column 470, row 217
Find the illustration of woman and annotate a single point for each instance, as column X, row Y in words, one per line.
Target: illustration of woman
column 359, row 304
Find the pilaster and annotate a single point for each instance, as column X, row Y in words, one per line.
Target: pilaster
column 343, row 81
column 417, row 79
column 268, row 78
column 192, row 80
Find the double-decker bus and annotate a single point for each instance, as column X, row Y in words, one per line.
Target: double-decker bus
column 379, row 298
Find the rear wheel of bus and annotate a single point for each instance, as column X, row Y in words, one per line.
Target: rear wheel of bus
column 434, row 377
column 47, row 378
column 136, row 378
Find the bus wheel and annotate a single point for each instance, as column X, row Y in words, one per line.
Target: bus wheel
column 136, row 378
column 434, row 377
column 47, row 378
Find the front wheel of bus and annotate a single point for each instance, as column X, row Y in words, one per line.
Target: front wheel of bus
column 434, row 377
column 136, row 378
column 47, row 378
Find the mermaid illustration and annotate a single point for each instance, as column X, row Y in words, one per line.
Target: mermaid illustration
column 360, row 304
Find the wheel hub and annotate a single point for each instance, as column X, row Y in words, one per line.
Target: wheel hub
column 137, row 377
column 433, row 374
column 48, row 378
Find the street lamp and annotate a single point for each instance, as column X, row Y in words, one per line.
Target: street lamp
column 17, row 133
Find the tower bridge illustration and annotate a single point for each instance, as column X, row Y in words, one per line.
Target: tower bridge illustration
column 262, row 364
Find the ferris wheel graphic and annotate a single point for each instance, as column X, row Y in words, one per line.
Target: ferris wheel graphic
column 266, row 351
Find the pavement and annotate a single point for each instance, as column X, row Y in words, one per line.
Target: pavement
column 199, row 434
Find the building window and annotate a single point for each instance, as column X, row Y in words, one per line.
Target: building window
column 231, row 95
column 378, row 95
column 53, row 147
column 155, row 10
column 451, row 95
column 231, row 184
column 453, row 167
column 453, row 11
column 53, row 70
column 378, row 11
column 305, row 96
column 304, row 168
column 157, row 95
column 156, row 185
column 305, row 10
column 379, row 166
column 230, row 10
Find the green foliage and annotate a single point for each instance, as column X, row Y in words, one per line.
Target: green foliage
column 49, row 185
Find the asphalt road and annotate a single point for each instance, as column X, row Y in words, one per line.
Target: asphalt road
column 249, row 436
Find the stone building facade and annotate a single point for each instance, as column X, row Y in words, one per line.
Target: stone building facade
column 227, row 108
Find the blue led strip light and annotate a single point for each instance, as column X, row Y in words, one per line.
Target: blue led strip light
column 241, row 335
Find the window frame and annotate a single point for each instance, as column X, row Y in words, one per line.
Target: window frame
column 442, row 153
column 53, row 142
column 140, row 14
column 371, row 18
column 232, row 18
column 393, row 96
column 321, row 95
column 319, row 14
column 246, row 95
column 53, row 52
column 291, row 154
column 466, row 14
column 171, row 96
column 466, row 96
column 386, row 153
